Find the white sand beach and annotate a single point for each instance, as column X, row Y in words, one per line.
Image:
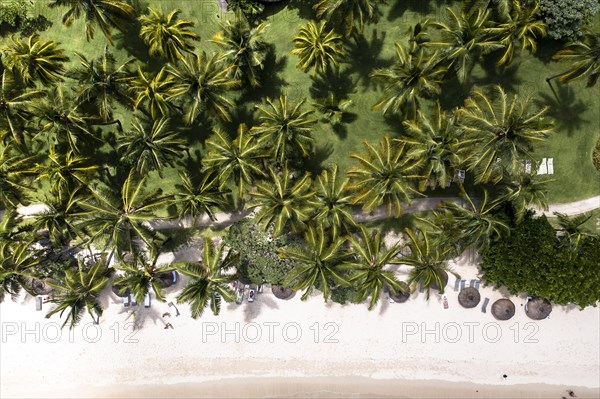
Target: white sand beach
column 276, row 348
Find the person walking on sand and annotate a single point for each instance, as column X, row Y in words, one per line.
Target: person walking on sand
column 168, row 325
column 166, row 314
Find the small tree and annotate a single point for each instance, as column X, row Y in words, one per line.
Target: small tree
column 567, row 18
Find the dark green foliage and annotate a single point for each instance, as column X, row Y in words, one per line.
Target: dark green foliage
column 13, row 12
column 249, row 8
column 259, row 259
column 344, row 295
column 532, row 261
column 567, row 18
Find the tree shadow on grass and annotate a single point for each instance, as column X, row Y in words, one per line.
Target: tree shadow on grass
column 364, row 56
column 271, row 84
column 506, row 76
column 546, row 48
column 314, row 164
column 565, row 108
column 338, row 82
column 422, row 7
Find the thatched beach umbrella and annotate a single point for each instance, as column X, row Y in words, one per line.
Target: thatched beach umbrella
column 503, row 309
column 167, row 279
column 444, row 277
column 121, row 290
column 401, row 297
column 281, row 292
column 538, row 308
column 40, row 287
column 469, row 297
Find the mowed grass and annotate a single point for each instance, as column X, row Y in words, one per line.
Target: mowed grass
column 575, row 108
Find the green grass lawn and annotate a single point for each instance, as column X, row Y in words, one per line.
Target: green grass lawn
column 575, row 108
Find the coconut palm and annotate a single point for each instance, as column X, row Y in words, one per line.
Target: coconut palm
column 236, row 161
column 504, row 130
column 142, row 274
column 209, row 279
column 12, row 231
column 65, row 172
column 150, row 147
column 17, row 266
column 348, row 13
column 155, row 91
column 244, row 48
column 428, row 261
column 572, row 229
column 104, row 14
column 436, row 146
column 283, row 202
column 318, row 48
column 464, row 37
column 382, row 177
column 78, row 291
column 120, row 219
column 317, row 263
column 519, row 28
column 334, row 202
column 332, row 108
column 202, row 84
column 584, row 57
column 523, row 190
column 101, row 82
column 167, row 35
column 33, row 59
column 285, row 128
column 14, row 168
column 15, row 107
column 196, row 200
column 415, row 75
column 366, row 267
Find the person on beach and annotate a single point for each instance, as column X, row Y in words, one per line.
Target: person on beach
column 168, row 325
column 166, row 314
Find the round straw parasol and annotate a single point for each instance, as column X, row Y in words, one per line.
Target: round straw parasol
column 503, row 309
column 40, row 287
column 538, row 308
column 167, row 279
column 120, row 290
column 402, row 297
column 281, row 292
column 444, row 277
column 469, row 297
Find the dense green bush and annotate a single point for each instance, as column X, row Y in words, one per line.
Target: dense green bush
column 596, row 156
column 566, row 18
column 533, row 261
column 13, row 12
column 259, row 259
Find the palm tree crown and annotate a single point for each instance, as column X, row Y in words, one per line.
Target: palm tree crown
column 318, row 47
column 348, row 12
column 334, row 201
column 584, row 57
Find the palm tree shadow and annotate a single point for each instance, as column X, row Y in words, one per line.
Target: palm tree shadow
column 401, row 6
column 364, row 56
column 565, row 108
column 314, row 164
column 340, row 83
column 271, row 84
column 504, row 75
column 240, row 115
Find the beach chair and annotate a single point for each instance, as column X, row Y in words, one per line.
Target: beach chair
column 476, row 284
column 421, row 288
column 462, row 284
column 174, row 276
column 484, row 306
column 460, row 174
column 126, row 301
column 172, row 305
column 38, row 303
column 528, row 166
column 543, row 168
column 133, row 300
column 550, row 164
column 251, row 295
column 456, row 284
column 147, row 300
column 472, row 283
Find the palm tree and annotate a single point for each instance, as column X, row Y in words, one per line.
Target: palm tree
column 463, row 39
column 504, row 132
column 285, row 128
column 332, row 108
column 519, row 27
column 155, row 90
column 244, row 47
column 414, row 75
column 523, row 190
column 428, row 261
column 210, row 279
column 150, row 147
column 142, row 274
column 199, row 199
column 101, row 83
column 366, row 267
column 15, row 107
column 382, row 177
column 105, row 14
column 283, row 201
column 17, row 265
column 120, row 219
column 235, row 161
column 584, row 57
column 317, row 263
column 66, row 172
column 348, row 12
column 435, row 146
column 203, row 82
column 60, row 122
column 334, row 201
column 318, row 48
column 572, row 229
column 78, row 291
column 166, row 35
column 12, row 232
column 14, row 169
column 33, row 59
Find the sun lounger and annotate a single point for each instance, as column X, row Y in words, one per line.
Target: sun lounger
column 133, row 300
column 421, row 288
column 38, row 303
column 472, row 283
column 174, row 276
column 239, row 296
column 550, row 163
column 126, row 301
column 251, row 294
column 484, row 306
column 528, row 166
column 462, row 284
column 476, row 284
column 456, row 284
column 147, row 300
column 543, row 169
column 461, row 175
column 172, row 305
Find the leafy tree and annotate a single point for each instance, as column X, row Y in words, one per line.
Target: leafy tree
column 567, row 18
column 150, row 147
column 285, row 128
column 573, row 232
column 249, row 8
column 104, row 14
column 244, row 47
column 504, row 131
column 34, row 59
column 334, row 201
column 78, row 291
column 382, row 177
column 209, row 283
column 202, row 83
column 366, row 267
column 584, row 56
column 318, row 48
column 332, row 108
column 167, row 35
column 348, row 13
column 13, row 13
column 156, row 91
column 317, row 262
column 199, row 199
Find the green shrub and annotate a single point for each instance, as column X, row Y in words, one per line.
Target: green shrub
column 596, row 155
column 567, row 18
column 13, row 12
